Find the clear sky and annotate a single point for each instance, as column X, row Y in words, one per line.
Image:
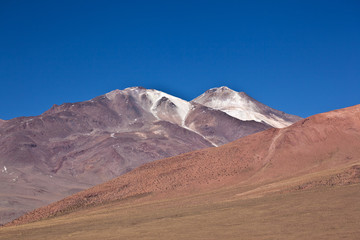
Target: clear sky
column 302, row 57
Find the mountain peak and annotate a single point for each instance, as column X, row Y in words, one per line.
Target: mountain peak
column 244, row 107
column 224, row 93
column 220, row 89
column 135, row 88
column 111, row 95
column 223, row 88
column 235, row 104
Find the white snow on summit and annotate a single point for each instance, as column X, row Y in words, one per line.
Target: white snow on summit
column 240, row 106
column 236, row 104
column 182, row 107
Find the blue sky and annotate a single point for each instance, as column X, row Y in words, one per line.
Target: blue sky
column 302, row 57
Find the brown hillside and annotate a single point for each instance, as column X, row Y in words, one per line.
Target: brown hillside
column 321, row 142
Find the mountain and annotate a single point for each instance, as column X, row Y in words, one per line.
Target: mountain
column 77, row 145
column 322, row 150
column 241, row 106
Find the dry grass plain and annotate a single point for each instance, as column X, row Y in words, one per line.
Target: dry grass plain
column 323, row 212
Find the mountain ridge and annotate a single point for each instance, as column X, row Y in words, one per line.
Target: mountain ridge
column 321, row 143
column 86, row 143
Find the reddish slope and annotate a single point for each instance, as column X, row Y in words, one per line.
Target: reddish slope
column 91, row 142
column 325, row 141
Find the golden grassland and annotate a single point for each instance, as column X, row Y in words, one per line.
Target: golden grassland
column 324, row 212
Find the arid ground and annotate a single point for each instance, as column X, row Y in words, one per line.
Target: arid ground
column 323, row 212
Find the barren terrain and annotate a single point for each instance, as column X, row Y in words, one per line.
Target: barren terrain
column 74, row 146
column 319, row 213
column 319, row 151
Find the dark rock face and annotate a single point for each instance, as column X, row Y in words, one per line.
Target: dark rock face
column 219, row 127
column 77, row 145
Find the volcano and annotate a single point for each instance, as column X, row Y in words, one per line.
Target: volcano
column 322, row 150
column 74, row 146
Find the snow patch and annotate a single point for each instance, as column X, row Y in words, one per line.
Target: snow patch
column 247, row 115
column 4, row 170
column 154, row 96
column 182, row 106
column 238, row 106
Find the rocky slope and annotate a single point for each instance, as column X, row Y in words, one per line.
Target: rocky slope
column 77, row 145
column 327, row 142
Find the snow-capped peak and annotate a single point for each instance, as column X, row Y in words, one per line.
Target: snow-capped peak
column 182, row 106
column 241, row 106
column 151, row 100
column 224, row 98
column 236, row 104
column 223, row 88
